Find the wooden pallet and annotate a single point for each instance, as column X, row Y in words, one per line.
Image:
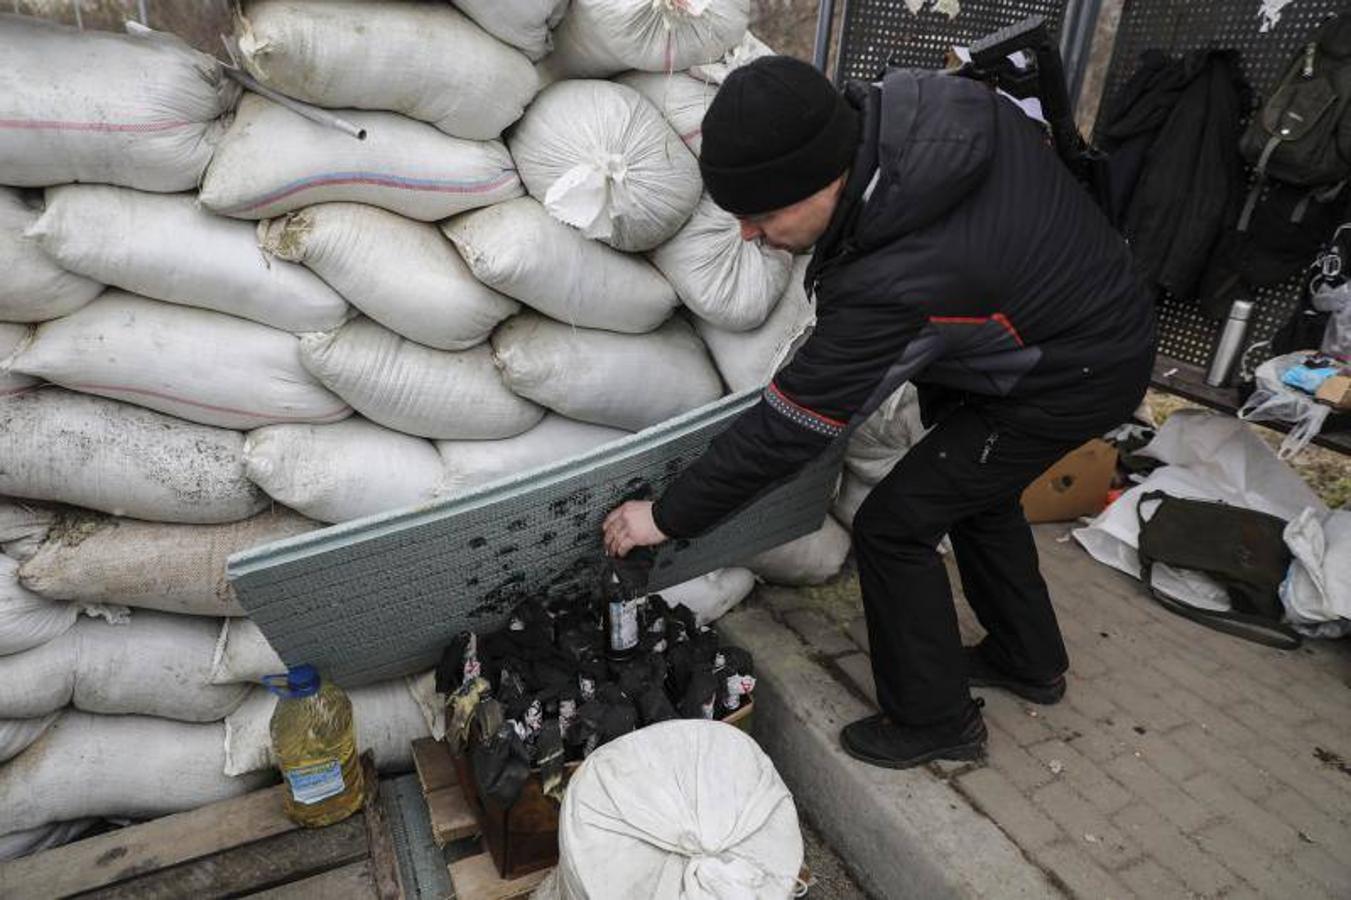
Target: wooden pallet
column 475, row 877
column 242, row 847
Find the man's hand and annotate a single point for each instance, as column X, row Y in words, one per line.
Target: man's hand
column 631, row 525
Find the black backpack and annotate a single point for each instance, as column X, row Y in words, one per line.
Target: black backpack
column 1302, row 134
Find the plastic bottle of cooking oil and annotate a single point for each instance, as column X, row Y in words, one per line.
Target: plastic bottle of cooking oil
column 315, row 745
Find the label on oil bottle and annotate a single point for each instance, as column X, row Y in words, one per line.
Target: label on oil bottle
column 313, row 784
column 623, row 625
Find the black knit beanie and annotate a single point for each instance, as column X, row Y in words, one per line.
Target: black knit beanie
column 776, row 133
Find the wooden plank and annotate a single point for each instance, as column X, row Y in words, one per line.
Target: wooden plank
column 384, row 864
column 108, row 858
column 252, row 867
column 475, row 878
column 452, row 816
column 435, row 768
column 350, row 882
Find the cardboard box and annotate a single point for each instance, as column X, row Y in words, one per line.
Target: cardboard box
column 1336, row 392
column 1075, row 486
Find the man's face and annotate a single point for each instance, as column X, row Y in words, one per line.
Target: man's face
column 794, row 228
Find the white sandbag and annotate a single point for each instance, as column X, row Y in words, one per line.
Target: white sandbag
column 334, row 473
column 415, row 389
column 730, row 282
column 154, row 665
column 681, row 809
column 680, row 98
column 26, row 619
column 601, row 37
column 602, row 159
column 273, row 161
column 99, row 559
column 34, row 840
column 627, row 381
column 811, row 559
column 712, row 596
column 118, row 767
column 401, row 273
column 166, row 247
column 471, row 464
column 243, row 654
column 133, row 109
column 11, row 338
column 120, row 459
column 195, row 364
column 749, row 359
column 747, row 50
column 885, row 436
column 853, row 491
column 23, row 528
column 34, row 288
column 1318, row 588
column 524, row 24
column 424, row 60
column 387, row 718
column 17, row 734
column 522, row 251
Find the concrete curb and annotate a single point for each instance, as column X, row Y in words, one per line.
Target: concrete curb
column 903, row 834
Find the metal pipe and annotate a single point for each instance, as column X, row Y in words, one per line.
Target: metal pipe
column 313, row 113
column 825, row 16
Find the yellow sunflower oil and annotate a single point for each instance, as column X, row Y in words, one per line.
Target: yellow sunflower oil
column 314, row 741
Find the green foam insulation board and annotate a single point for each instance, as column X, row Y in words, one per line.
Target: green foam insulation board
column 379, row 597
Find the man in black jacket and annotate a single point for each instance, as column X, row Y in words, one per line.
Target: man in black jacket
column 953, row 250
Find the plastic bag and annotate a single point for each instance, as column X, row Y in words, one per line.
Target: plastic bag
column 1273, row 401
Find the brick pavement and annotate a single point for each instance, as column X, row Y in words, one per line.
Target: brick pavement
column 1182, row 763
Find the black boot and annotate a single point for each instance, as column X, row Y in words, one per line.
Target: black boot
column 879, row 741
column 980, row 672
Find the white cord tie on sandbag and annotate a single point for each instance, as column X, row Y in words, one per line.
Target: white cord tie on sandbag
column 585, row 196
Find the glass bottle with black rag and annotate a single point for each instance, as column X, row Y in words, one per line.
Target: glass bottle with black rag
column 620, row 606
column 314, row 741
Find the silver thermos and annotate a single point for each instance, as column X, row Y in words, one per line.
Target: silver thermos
column 1229, row 348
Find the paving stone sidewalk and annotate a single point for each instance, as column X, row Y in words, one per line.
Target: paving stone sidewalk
column 1182, row 762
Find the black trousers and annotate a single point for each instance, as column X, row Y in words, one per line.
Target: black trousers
column 964, row 479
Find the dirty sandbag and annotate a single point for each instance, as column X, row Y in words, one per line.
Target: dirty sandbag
column 416, row 389
column 149, row 465
column 242, row 653
column 23, row 528
column 273, row 161
column 602, row 37
column 627, row 381
column 12, row 338
column 521, row 250
column 196, row 364
column 885, row 436
column 155, row 664
column 713, row 595
column 811, row 559
column 146, row 107
column 166, row 247
column 90, row 558
column 731, row 282
column 601, row 158
column 34, row 840
column 1317, row 592
column 471, row 464
column 401, row 273
column 526, row 25
column 34, row 288
column 17, row 734
column 119, row 767
column 28, row 620
column 679, row 809
column 340, row 472
column 424, row 60
column 748, row 50
column 749, row 359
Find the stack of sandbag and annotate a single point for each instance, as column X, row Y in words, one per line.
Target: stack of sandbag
column 225, row 322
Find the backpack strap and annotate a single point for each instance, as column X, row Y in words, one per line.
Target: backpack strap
column 1259, row 182
column 1239, row 624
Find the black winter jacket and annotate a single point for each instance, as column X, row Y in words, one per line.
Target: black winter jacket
column 963, row 256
